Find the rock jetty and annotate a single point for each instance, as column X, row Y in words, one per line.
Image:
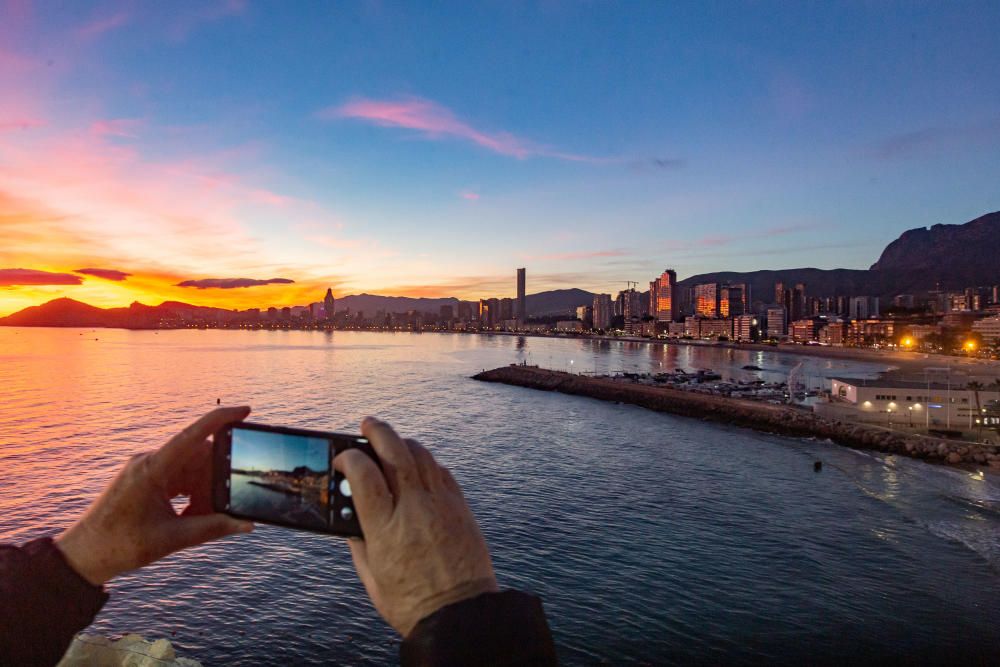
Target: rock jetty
column 781, row 419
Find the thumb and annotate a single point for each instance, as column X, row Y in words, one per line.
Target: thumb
column 194, row 530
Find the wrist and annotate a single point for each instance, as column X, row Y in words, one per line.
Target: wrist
column 83, row 555
column 464, row 591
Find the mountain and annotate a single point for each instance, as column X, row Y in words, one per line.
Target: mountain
column 557, row 302
column 826, row 282
column 58, row 313
column 71, row 313
column 947, row 256
column 953, row 255
column 369, row 304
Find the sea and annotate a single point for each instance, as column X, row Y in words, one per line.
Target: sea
column 652, row 539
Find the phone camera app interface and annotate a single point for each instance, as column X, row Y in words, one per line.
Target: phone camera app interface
column 280, row 477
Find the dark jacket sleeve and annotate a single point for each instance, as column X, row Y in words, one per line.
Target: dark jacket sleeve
column 43, row 603
column 505, row 628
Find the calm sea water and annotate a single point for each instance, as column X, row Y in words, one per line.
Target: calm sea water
column 651, row 538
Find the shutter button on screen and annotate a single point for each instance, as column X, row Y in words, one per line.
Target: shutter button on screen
column 346, row 513
column 345, row 488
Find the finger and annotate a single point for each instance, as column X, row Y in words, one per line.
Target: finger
column 371, row 495
column 172, row 456
column 449, row 480
column 194, row 477
column 190, row 531
column 397, row 461
column 426, row 466
column 359, row 554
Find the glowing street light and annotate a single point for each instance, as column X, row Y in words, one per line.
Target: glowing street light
column 970, row 345
column 907, row 342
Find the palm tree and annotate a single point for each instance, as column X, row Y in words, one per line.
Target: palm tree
column 976, row 387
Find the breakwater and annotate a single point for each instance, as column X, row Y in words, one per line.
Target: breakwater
column 781, row 419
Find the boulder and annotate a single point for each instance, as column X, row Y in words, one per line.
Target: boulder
column 954, row 457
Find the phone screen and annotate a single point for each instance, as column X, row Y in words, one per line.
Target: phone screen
column 280, row 477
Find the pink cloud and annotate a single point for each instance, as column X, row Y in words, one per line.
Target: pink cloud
column 116, row 127
column 469, row 195
column 20, row 124
column 101, row 25
column 437, row 122
column 13, row 277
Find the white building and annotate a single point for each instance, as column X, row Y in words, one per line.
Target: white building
column 989, row 329
column 934, row 405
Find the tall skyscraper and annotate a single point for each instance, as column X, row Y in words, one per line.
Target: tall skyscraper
column 666, row 297
column 602, row 311
column 706, row 299
column 328, row 304
column 522, row 308
column 632, row 309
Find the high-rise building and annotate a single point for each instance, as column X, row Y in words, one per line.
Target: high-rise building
column 465, row 310
column 731, row 300
column 800, row 307
column 446, row 314
column 506, row 310
column 666, row 304
column 706, row 299
column 632, row 309
column 737, row 297
column 653, row 289
column 484, row 313
column 522, row 305
column 328, row 304
column 602, row 311
column 777, row 320
column 494, row 310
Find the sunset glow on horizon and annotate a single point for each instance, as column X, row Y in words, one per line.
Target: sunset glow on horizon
column 146, row 149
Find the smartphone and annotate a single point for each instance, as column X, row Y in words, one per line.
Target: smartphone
column 285, row 476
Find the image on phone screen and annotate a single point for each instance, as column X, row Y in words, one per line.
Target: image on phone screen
column 280, row 477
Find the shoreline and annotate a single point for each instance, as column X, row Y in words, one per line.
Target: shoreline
column 771, row 418
column 898, row 361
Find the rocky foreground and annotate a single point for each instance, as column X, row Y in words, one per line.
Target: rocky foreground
column 781, row 419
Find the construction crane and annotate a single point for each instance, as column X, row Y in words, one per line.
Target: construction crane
column 630, row 284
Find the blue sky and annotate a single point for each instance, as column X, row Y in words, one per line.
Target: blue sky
column 258, row 450
column 431, row 148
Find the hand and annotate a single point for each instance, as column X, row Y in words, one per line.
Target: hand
column 422, row 548
column 133, row 523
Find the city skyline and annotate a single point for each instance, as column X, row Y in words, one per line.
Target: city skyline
column 232, row 154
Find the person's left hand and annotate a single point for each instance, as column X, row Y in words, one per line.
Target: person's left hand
column 133, row 522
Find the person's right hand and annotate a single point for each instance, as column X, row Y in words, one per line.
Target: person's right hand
column 422, row 548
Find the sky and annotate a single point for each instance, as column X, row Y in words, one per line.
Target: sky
column 242, row 153
column 259, row 450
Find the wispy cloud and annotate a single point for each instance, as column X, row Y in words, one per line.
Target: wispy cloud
column 107, row 274
column 116, row 127
column 20, row 124
column 657, row 164
column 434, row 121
column 206, row 12
column 719, row 240
column 470, row 195
column 102, row 24
column 916, row 143
column 12, row 277
column 593, row 254
column 232, row 283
